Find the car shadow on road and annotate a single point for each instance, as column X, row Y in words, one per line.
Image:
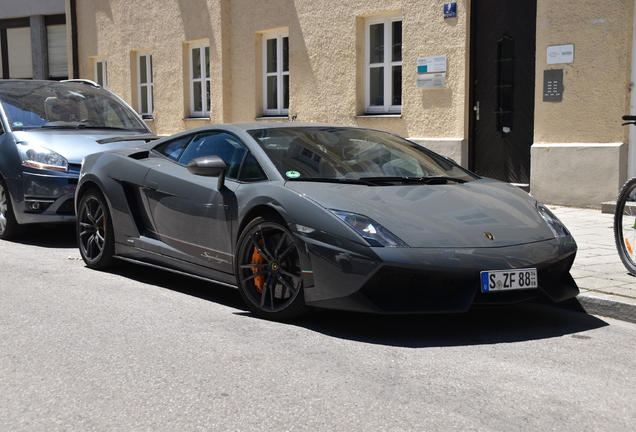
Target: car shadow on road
column 520, row 323
column 525, row 322
column 49, row 236
column 194, row 287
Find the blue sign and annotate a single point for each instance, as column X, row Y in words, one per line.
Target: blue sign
column 450, row 10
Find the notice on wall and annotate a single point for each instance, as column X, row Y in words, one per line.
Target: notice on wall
column 431, row 64
column 560, row 54
column 431, row 81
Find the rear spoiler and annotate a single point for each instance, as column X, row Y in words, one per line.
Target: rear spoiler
column 129, row 138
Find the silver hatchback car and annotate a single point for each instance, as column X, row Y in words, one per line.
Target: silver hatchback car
column 46, row 130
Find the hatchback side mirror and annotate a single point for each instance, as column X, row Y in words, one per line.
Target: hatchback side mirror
column 209, row 166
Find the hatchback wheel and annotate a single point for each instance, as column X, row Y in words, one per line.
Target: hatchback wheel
column 9, row 226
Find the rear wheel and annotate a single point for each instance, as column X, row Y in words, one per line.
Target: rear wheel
column 9, row 226
column 95, row 231
column 625, row 225
column 268, row 271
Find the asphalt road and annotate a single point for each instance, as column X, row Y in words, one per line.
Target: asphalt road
column 139, row 349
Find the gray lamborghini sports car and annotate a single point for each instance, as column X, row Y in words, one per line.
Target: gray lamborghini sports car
column 300, row 216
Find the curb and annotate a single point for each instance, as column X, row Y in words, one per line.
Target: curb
column 605, row 305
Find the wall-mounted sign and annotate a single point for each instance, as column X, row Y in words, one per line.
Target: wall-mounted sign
column 431, row 81
column 450, row 10
column 560, row 54
column 431, row 64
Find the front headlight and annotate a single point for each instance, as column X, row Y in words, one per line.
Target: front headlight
column 374, row 233
column 42, row 158
column 556, row 226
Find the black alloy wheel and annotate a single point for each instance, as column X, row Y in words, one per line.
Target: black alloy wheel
column 95, row 231
column 268, row 271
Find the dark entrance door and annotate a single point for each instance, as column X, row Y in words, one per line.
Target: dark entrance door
column 502, row 96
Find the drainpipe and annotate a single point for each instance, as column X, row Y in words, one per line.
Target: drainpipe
column 631, row 149
column 74, row 72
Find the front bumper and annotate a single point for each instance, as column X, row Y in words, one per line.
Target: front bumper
column 45, row 198
column 429, row 280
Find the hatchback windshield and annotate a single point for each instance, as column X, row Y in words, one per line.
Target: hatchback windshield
column 328, row 153
column 39, row 104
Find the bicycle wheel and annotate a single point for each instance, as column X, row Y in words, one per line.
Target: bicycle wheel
column 625, row 225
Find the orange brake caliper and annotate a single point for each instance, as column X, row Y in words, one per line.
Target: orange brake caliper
column 257, row 258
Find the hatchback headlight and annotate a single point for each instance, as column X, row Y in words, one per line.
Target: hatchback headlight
column 553, row 222
column 374, row 233
column 42, row 158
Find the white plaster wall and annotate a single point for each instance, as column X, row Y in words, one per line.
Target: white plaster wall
column 576, row 174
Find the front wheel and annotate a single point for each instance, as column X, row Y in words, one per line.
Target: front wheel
column 268, row 271
column 625, row 225
column 9, row 226
column 95, row 231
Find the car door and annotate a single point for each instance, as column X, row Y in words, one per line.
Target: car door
column 193, row 218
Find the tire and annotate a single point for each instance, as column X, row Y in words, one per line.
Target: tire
column 625, row 225
column 268, row 271
column 95, row 235
column 9, row 226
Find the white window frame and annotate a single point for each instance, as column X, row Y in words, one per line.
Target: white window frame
column 204, row 79
column 387, row 64
column 104, row 78
column 280, row 74
column 146, row 57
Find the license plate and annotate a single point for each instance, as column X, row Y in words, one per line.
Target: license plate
column 505, row 280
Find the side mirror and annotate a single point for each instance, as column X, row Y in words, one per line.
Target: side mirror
column 208, row 166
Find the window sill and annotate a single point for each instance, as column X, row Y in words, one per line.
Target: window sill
column 278, row 118
column 196, row 118
column 383, row 116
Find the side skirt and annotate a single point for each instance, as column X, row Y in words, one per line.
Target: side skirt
column 179, row 272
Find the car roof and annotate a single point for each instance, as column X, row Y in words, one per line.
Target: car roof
column 15, row 86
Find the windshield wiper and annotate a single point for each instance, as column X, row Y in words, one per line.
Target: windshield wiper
column 432, row 180
column 82, row 126
column 335, row 180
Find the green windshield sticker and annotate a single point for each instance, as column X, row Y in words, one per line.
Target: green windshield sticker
column 292, row 174
column 18, row 124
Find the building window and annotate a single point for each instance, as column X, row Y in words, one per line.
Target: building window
column 144, row 84
column 58, row 57
column 383, row 60
column 276, row 73
column 200, row 79
column 19, row 58
column 101, row 76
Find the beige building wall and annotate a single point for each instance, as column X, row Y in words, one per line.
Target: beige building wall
column 326, row 60
column 579, row 156
column 580, row 151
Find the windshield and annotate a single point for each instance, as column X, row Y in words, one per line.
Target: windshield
column 328, row 153
column 41, row 104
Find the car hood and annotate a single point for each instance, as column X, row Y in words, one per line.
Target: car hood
column 481, row 213
column 75, row 144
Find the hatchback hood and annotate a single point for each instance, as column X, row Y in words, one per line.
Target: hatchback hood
column 75, row 144
column 481, row 213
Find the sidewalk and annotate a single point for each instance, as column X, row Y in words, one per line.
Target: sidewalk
column 607, row 289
